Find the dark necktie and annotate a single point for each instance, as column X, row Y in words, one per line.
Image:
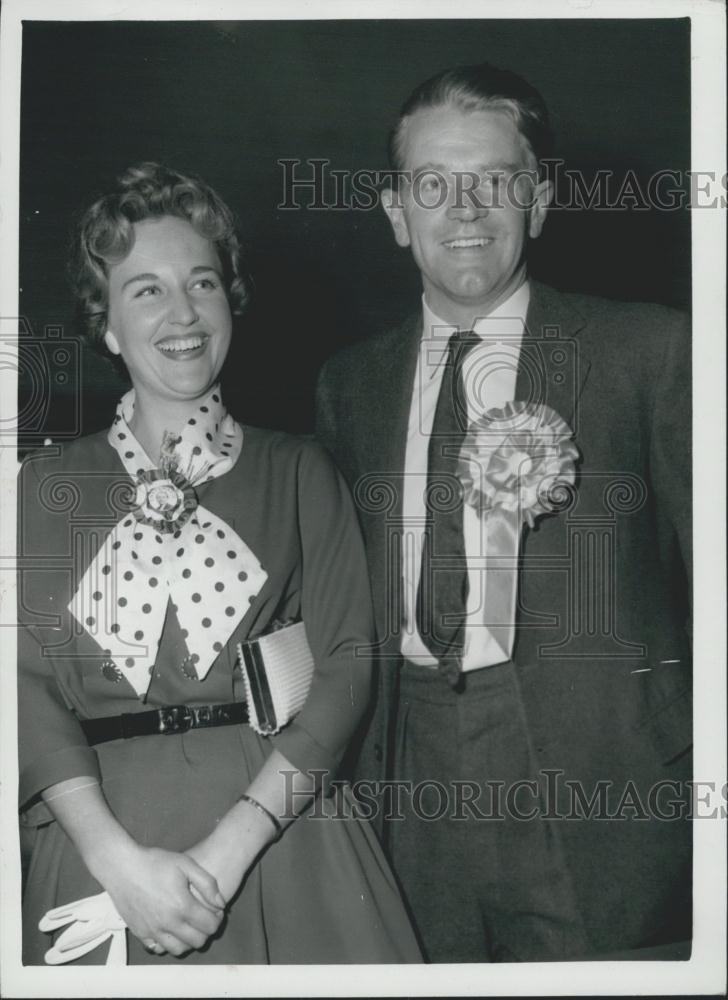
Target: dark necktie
column 442, row 593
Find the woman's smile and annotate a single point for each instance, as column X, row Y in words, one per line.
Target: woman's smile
column 185, row 348
column 169, row 315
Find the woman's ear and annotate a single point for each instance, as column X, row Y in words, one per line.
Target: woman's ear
column 111, row 342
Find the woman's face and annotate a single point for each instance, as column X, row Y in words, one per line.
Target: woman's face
column 168, row 314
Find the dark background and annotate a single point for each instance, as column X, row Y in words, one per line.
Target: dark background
column 226, row 100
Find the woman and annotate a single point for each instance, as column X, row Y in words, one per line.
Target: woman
column 160, row 545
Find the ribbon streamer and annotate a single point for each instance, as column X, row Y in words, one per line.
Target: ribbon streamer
column 515, row 465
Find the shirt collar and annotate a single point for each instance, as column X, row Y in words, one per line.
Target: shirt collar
column 507, row 320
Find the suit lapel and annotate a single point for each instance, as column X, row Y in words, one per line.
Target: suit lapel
column 390, row 404
column 553, row 367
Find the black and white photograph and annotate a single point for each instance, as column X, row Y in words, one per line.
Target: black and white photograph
column 363, row 460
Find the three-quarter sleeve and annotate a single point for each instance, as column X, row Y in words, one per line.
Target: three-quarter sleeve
column 336, row 608
column 52, row 746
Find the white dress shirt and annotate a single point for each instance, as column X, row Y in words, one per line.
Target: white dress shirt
column 489, row 380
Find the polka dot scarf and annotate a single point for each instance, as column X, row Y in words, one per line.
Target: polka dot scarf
column 169, row 548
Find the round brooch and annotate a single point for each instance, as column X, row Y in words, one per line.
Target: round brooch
column 164, row 501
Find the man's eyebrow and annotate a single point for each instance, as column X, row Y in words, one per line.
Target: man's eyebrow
column 430, row 168
column 504, row 166
column 149, row 276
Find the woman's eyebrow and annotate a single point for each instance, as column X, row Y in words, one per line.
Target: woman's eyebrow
column 206, row 267
column 148, row 276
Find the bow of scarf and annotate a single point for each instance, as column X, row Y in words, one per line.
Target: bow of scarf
column 169, row 549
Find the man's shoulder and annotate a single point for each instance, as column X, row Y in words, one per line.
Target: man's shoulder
column 601, row 311
column 634, row 337
column 371, row 352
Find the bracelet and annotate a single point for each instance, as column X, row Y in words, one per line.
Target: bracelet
column 265, row 812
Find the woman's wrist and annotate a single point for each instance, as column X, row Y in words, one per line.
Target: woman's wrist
column 79, row 806
column 246, row 830
column 273, row 822
column 232, row 848
column 109, row 858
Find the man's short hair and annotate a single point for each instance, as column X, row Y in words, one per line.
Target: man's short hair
column 478, row 88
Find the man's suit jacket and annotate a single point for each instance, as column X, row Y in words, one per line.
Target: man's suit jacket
column 602, row 654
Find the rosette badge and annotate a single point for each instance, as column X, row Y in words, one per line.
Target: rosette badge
column 518, row 461
column 165, row 500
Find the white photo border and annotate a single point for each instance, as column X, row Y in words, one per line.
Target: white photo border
column 704, row 973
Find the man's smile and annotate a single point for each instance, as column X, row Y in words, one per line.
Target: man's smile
column 469, row 243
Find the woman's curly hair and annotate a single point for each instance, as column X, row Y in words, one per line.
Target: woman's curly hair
column 105, row 235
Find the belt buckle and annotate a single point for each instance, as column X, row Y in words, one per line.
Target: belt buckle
column 203, row 716
column 174, row 719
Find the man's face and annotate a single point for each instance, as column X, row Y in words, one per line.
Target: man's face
column 471, row 256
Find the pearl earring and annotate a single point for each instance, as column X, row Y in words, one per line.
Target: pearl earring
column 111, row 342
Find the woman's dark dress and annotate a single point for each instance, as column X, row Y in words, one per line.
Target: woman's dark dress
column 324, row 892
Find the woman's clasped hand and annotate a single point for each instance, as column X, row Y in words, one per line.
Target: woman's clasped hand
column 166, row 899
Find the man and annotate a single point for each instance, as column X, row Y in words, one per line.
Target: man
column 533, row 703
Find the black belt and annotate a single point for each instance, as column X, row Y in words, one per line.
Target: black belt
column 165, row 721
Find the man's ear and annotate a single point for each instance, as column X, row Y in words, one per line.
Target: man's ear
column 543, row 194
column 111, row 342
column 392, row 204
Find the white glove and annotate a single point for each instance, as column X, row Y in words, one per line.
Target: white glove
column 93, row 920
